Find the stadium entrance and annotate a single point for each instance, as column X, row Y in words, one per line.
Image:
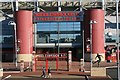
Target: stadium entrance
column 58, row 32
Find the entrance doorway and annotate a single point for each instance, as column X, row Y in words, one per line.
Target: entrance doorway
column 53, row 60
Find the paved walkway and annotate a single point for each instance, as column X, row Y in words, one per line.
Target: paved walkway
column 59, row 75
column 62, row 65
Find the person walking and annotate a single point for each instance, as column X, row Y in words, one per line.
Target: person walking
column 49, row 73
column 99, row 59
column 43, row 72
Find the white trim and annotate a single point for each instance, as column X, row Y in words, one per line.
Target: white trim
column 48, row 45
column 11, row 72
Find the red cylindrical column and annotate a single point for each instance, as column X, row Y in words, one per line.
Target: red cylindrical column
column 24, row 26
column 97, row 31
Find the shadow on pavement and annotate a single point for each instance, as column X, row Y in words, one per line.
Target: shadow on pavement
column 112, row 72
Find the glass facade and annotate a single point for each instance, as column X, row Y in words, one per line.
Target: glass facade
column 68, row 34
column 110, row 32
column 64, row 32
column 7, row 37
column 7, row 41
column 53, row 32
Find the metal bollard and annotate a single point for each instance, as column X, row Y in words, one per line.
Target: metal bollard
column 82, row 65
column 21, row 66
column 1, row 72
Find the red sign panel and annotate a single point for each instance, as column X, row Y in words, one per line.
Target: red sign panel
column 58, row 16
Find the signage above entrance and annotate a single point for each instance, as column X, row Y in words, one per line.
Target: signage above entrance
column 58, row 16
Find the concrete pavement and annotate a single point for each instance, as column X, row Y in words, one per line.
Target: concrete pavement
column 16, row 75
column 58, row 75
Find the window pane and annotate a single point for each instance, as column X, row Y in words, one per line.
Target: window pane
column 47, row 32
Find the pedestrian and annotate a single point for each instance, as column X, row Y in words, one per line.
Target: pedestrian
column 43, row 72
column 49, row 73
column 99, row 59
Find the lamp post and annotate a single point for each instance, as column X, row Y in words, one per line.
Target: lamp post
column 117, row 36
column 83, row 48
column 12, row 23
column 58, row 38
column 58, row 42
column 33, row 61
column 91, row 25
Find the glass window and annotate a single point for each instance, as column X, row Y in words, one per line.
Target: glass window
column 110, row 32
column 7, row 36
column 7, row 39
column 51, row 32
column 1, row 39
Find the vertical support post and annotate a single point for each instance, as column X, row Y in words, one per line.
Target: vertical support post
column 80, row 5
column 57, row 63
column 36, row 3
column 58, row 37
column 26, row 39
column 59, row 4
column 35, row 25
column 15, row 40
column 59, row 9
column 91, row 58
column 15, row 5
column 103, row 4
column 46, row 64
column 91, row 43
column 117, row 35
column 83, row 48
column 15, row 45
column 34, row 64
